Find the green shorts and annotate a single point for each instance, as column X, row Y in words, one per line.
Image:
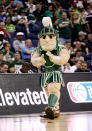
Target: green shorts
column 55, row 76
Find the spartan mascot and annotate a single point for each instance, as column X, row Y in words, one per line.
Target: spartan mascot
column 49, row 56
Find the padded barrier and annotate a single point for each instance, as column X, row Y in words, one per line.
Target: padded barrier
column 22, row 94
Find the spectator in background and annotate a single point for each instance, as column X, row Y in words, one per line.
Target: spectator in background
column 24, row 2
column 64, row 29
column 81, row 36
column 82, row 39
column 73, row 8
column 80, row 4
column 11, row 4
column 19, row 43
column 26, row 68
column 90, row 4
column 84, row 67
column 87, row 11
column 58, row 12
column 85, row 4
column 4, row 67
column 15, row 17
column 80, row 46
column 72, row 59
column 89, row 43
column 2, row 28
column 3, row 3
column 31, row 6
column 8, row 54
column 69, row 47
column 76, row 66
column 9, row 11
column 2, row 40
column 89, row 61
column 38, row 13
column 71, row 69
column 27, row 51
column 22, row 26
column 9, row 26
column 1, row 58
column 18, row 8
column 89, row 19
column 31, row 17
column 76, row 25
column 49, row 12
column 66, row 68
column 16, row 64
column 88, row 57
column 65, row 3
column 2, row 14
column 23, row 15
column 18, row 2
column 79, row 55
column 85, row 23
column 77, row 46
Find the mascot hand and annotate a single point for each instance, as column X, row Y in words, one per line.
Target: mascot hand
column 50, row 55
column 38, row 61
column 42, row 59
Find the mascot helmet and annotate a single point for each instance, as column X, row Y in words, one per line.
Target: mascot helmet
column 48, row 28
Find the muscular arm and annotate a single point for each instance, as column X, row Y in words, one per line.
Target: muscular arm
column 61, row 59
column 37, row 60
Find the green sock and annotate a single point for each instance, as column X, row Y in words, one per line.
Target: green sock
column 52, row 100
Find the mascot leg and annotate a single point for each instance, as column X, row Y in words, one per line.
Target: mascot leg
column 53, row 89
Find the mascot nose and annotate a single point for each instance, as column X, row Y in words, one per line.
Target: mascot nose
column 47, row 38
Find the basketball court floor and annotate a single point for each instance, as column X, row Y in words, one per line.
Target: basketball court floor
column 66, row 122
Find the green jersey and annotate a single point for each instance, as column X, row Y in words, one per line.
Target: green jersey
column 65, row 32
column 11, row 55
column 52, row 71
column 10, row 28
column 50, row 66
column 16, row 65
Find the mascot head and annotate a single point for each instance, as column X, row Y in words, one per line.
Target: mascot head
column 48, row 35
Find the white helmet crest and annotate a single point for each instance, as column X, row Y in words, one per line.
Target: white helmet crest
column 47, row 22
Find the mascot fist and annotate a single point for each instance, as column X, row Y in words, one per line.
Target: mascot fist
column 50, row 55
column 42, row 59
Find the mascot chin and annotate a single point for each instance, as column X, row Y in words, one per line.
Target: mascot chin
column 51, row 57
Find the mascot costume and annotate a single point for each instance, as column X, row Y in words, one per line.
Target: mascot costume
column 49, row 56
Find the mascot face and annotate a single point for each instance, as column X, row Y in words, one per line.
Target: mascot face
column 48, row 42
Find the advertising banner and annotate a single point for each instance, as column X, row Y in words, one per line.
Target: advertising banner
column 80, row 92
column 22, row 94
column 77, row 93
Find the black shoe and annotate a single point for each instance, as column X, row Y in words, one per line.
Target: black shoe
column 49, row 113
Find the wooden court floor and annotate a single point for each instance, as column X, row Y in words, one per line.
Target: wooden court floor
column 66, row 122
